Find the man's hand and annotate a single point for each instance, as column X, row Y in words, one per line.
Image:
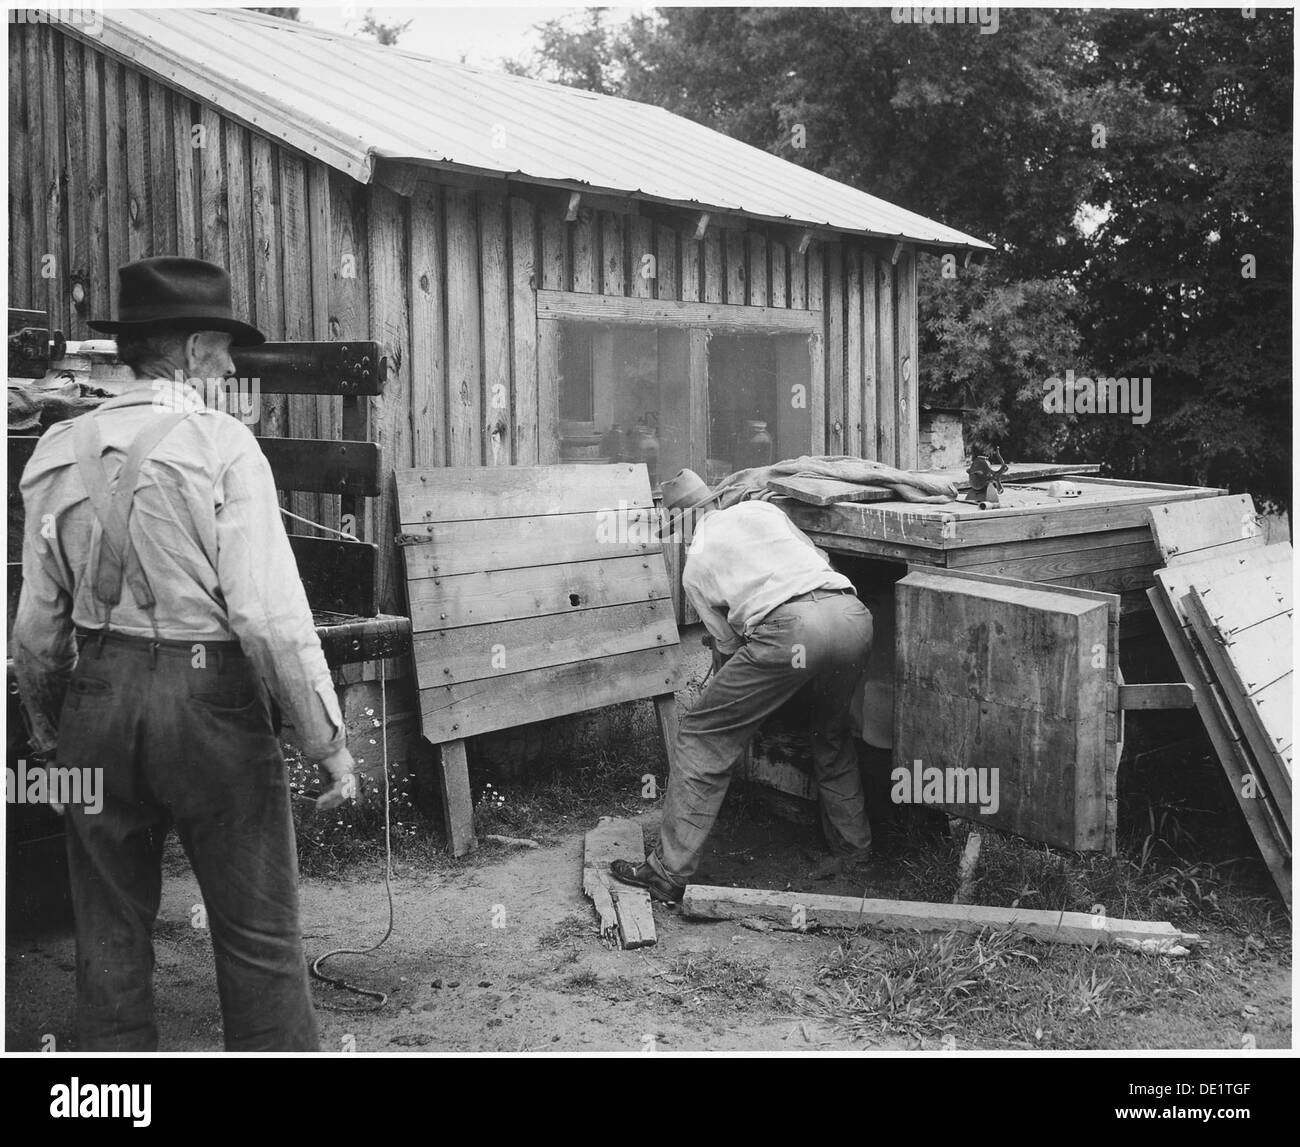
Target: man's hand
column 341, row 769
column 719, row 658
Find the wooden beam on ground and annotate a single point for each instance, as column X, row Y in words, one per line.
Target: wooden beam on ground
column 636, row 920
column 624, row 911
column 705, row 902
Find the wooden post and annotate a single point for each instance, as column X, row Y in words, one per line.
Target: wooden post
column 966, row 870
column 457, row 802
column 666, row 715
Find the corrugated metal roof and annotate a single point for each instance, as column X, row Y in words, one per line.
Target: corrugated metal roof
column 350, row 101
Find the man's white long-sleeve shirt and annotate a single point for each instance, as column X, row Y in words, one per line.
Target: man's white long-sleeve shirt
column 206, row 525
column 746, row 560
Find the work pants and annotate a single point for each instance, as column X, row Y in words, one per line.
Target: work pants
column 183, row 734
column 820, row 644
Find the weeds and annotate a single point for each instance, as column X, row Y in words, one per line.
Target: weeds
column 710, row 976
column 920, row 989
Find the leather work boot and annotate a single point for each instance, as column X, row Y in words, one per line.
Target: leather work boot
column 644, row 876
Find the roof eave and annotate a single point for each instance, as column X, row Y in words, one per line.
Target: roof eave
column 937, row 244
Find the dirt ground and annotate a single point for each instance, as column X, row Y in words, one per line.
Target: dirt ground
column 500, row 954
column 542, row 982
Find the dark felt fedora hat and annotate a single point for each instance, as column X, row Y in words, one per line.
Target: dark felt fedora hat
column 171, row 292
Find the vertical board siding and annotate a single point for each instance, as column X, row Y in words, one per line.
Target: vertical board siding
column 523, row 325
column 35, row 139
column 428, row 296
column 20, row 190
column 548, row 391
column 295, row 256
column 188, row 195
column 239, row 211
column 797, row 274
column 117, row 197
column 51, row 83
column 495, row 311
column 585, row 258
column 329, row 411
column 268, row 290
column 139, row 241
column 391, row 428
column 613, row 273
column 853, row 376
column 837, row 439
column 757, row 273
column 733, row 271
column 667, row 281
column 870, row 444
column 909, row 403
column 464, row 367
column 690, row 268
column 555, row 241
column 713, row 285
column 215, row 215
column 886, row 381
column 888, row 364
column 162, row 169
column 75, row 177
column 642, row 263
column 349, row 315
column 96, row 286
column 778, row 296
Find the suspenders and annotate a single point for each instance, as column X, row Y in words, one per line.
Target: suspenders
column 117, row 555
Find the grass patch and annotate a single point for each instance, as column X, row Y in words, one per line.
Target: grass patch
column 570, row 936
column 709, row 978
column 920, row 988
column 997, row 990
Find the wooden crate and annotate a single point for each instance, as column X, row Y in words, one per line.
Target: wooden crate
column 996, row 674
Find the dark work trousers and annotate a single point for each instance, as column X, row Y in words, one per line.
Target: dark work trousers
column 184, row 736
column 822, row 644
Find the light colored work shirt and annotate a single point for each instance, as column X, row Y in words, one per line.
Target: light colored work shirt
column 206, row 525
column 746, row 560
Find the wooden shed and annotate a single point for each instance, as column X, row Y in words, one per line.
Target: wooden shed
column 555, row 275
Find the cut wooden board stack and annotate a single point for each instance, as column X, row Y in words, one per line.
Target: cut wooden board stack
column 1224, row 602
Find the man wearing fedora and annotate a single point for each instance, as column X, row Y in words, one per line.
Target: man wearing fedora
column 164, row 687
column 781, row 620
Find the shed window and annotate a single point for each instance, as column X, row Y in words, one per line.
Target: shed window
column 624, row 396
column 759, row 401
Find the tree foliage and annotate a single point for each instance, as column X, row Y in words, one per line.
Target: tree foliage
column 1123, row 163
